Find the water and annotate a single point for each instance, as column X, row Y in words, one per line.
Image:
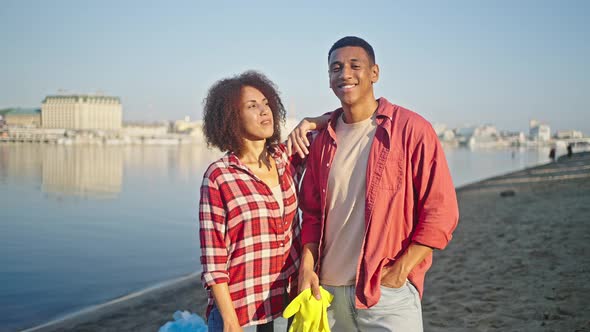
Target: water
column 468, row 166
column 82, row 225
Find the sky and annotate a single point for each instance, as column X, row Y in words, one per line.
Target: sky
column 453, row 62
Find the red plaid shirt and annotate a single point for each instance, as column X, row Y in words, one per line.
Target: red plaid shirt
column 245, row 241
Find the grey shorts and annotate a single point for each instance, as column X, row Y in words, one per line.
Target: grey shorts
column 398, row 309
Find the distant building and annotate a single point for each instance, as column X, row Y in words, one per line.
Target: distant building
column 439, row 129
column 539, row 131
column 516, row 138
column 565, row 134
column 22, row 117
column 82, row 112
column 463, row 134
column 187, row 126
column 136, row 129
column 486, row 136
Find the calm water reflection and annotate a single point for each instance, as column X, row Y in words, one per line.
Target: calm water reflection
column 82, row 225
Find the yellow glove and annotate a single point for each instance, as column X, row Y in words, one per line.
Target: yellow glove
column 310, row 313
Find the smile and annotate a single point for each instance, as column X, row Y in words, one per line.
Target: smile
column 347, row 86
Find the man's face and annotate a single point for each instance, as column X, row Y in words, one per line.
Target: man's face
column 352, row 75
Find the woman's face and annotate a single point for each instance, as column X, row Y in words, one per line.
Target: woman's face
column 255, row 115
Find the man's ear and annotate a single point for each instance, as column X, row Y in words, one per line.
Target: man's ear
column 375, row 73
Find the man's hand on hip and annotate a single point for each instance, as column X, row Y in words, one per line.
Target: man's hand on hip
column 392, row 276
column 396, row 274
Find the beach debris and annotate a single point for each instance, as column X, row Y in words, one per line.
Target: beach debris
column 185, row 321
column 507, row 193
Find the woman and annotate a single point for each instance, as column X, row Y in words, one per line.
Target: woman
column 248, row 209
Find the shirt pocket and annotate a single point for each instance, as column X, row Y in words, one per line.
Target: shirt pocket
column 392, row 172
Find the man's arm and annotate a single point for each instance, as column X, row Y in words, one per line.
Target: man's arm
column 311, row 226
column 298, row 142
column 395, row 275
column 436, row 207
column 436, row 199
column 307, row 276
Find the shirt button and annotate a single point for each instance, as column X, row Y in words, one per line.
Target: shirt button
column 323, row 190
column 328, row 165
column 282, row 245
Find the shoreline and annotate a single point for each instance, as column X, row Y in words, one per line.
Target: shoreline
column 518, row 259
column 151, row 308
column 447, row 306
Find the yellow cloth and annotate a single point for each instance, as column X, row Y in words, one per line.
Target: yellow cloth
column 310, row 313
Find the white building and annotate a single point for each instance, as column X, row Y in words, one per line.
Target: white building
column 486, row 136
column 539, row 131
column 81, row 112
column 145, row 130
column 188, row 126
column 439, row 128
column 565, row 134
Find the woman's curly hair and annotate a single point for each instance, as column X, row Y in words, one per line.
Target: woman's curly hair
column 221, row 118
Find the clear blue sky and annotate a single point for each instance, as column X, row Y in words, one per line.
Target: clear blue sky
column 455, row 62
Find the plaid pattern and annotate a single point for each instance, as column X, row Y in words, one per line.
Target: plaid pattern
column 245, row 242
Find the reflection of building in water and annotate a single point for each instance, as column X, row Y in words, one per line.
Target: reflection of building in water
column 84, row 171
column 86, row 112
column 23, row 161
column 192, row 161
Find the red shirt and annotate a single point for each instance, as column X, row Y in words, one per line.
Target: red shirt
column 409, row 197
column 245, row 241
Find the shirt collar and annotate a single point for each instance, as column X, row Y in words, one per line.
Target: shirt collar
column 232, row 160
column 384, row 111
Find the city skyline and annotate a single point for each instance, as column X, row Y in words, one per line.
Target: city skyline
column 454, row 63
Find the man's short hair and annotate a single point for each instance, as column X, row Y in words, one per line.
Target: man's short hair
column 353, row 41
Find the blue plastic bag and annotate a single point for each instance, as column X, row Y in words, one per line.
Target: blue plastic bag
column 185, row 321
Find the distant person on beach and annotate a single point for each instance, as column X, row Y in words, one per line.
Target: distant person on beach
column 249, row 226
column 552, row 153
column 377, row 198
column 570, row 150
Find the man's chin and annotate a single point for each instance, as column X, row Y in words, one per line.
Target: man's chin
column 346, row 101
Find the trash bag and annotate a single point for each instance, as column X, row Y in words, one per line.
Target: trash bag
column 184, row 321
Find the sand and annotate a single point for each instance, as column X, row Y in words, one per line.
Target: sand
column 519, row 261
column 147, row 310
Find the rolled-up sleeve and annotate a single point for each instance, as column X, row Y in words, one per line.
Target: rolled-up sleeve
column 436, row 204
column 212, row 229
column 310, row 200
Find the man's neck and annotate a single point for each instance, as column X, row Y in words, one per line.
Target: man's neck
column 359, row 111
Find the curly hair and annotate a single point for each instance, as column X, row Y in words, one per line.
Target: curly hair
column 221, row 111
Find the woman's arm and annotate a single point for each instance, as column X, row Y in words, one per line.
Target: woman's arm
column 226, row 308
column 212, row 229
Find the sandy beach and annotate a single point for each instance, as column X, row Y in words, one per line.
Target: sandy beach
column 519, row 261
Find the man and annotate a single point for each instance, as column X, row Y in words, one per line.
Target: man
column 377, row 198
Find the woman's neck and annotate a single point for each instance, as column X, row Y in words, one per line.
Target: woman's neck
column 255, row 153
